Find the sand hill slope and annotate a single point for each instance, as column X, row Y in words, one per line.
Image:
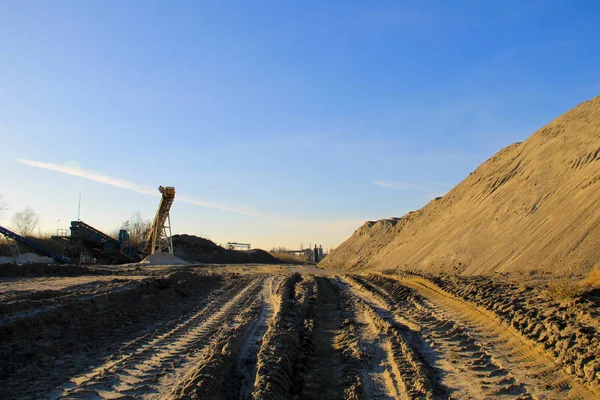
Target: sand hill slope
column 534, row 206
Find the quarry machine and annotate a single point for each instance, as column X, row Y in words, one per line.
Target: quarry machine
column 86, row 242
column 159, row 238
column 32, row 245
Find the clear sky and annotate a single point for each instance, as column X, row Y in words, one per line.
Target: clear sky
column 278, row 122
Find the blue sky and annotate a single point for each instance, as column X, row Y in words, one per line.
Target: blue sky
column 278, row 122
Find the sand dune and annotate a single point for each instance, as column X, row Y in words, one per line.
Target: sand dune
column 534, row 206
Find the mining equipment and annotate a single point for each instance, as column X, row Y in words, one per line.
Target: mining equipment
column 16, row 238
column 87, row 242
column 159, row 237
column 307, row 254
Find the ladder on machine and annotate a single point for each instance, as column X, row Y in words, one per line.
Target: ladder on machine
column 15, row 251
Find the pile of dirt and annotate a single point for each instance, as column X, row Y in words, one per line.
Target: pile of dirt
column 163, row 259
column 534, row 206
column 28, row 258
column 196, row 249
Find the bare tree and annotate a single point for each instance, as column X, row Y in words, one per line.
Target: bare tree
column 137, row 227
column 3, row 207
column 26, row 221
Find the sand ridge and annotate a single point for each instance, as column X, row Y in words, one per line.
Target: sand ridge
column 532, row 207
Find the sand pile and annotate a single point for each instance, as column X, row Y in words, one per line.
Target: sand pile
column 27, row 258
column 163, row 259
column 534, row 206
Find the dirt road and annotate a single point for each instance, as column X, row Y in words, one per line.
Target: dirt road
column 261, row 335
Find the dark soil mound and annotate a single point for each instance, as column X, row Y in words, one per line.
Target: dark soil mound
column 196, row 249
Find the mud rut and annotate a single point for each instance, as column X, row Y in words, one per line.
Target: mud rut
column 323, row 337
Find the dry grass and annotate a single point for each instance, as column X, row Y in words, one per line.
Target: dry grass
column 561, row 289
column 592, row 281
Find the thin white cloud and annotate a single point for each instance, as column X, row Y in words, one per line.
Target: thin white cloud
column 73, row 168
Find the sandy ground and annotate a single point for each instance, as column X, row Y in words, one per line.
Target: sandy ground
column 530, row 208
column 285, row 332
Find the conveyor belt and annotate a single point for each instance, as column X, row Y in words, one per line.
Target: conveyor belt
column 32, row 245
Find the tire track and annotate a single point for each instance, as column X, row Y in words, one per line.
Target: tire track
column 281, row 356
column 398, row 370
column 328, row 377
column 147, row 367
column 471, row 344
column 215, row 377
column 529, row 364
column 464, row 366
column 247, row 363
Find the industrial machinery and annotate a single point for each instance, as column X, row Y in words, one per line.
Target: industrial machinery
column 34, row 246
column 307, row 254
column 159, row 238
column 240, row 246
column 87, row 242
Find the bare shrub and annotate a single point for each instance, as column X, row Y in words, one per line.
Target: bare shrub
column 137, row 227
column 26, row 221
column 3, row 207
column 564, row 289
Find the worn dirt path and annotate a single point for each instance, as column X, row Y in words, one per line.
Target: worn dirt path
column 293, row 335
column 536, row 372
column 475, row 355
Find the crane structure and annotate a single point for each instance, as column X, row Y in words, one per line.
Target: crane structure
column 159, row 239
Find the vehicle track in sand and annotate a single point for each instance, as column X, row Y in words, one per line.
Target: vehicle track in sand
column 394, row 367
column 247, row 362
column 536, row 370
column 306, row 336
column 325, row 379
column 478, row 357
column 151, row 366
